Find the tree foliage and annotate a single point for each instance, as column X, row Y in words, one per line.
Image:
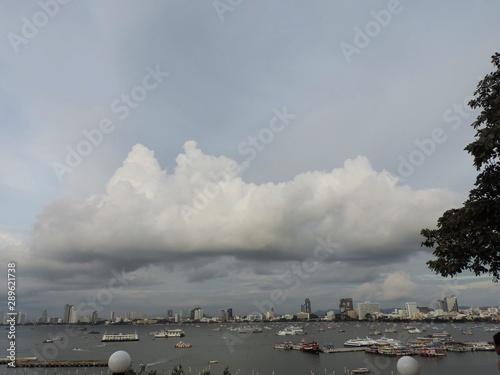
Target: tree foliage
column 468, row 238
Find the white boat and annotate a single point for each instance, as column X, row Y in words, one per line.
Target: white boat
column 291, row 331
column 361, row 370
column 249, row 329
column 387, row 341
column 120, row 337
column 360, row 342
column 169, row 333
column 182, row 344
column 414, row 331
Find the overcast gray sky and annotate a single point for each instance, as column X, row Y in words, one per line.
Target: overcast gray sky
column 248, row 154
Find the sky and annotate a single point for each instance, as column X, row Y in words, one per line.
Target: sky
column 232, row 153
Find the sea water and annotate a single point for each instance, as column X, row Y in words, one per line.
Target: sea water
column 243, row 354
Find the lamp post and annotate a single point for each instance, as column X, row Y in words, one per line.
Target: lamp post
column 119, row 362
column 407, row 366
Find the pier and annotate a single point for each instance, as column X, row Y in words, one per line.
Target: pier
column 347, row 349
column 32, row 362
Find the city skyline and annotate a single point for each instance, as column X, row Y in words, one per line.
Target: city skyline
column 172, row 153
column 73, row 315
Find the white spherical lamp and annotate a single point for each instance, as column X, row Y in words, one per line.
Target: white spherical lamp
column 407, row 366
column 119, row 362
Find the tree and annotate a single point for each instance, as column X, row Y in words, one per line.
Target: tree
column 468, row 238
column 177, row 370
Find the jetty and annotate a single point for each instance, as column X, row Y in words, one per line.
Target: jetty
column 348, row 349
column 33, row 362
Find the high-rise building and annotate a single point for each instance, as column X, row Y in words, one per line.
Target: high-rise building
column 67, row 313
column 345, row 305
column 22, row 318
column 95, row 317
column 43, row 318
column 73, row 315
column 451, row 304
column 170, row 313
column 411, row 309
column 196, row 313
column 440, row 305
column 367, row 309
column 230, row 313
column 223, row 315
column 307, row 306
column 112, row 316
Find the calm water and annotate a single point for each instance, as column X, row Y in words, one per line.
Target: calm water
column 243, row 353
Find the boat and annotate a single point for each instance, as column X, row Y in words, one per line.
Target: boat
column 291, row 331
column 120, row 337
column 433, row 352
column 375, row 333
column 310, row 347
column 182, row 344
column 283, row 345
column 467, row 332
column 249, row 329
column 169, row 333
column 328, row 348
column 387, row 341
column 361, row 370
column 360, row 342
column 391, row 330
column 47, row 341
column 213, row 361
column 414, row 331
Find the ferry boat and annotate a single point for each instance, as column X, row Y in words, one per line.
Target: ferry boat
column 120, row 337
column 360, row 342
column 291, row 331
column 169, row 333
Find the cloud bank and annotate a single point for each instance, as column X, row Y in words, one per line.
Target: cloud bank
column 204, row 209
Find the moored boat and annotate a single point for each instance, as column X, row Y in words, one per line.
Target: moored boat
column 360, row 342
column 283, row 345
column 310, row 347
column 327, row 348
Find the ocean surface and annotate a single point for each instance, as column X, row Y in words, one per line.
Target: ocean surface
column 244, row 354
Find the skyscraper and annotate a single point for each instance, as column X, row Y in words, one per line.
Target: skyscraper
column 367, row 309
column 451, row 303
column 73, row 315
column 345, row 305
column 306, row 307
column 43, row 318
column 411, row 309
column 67, row 313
